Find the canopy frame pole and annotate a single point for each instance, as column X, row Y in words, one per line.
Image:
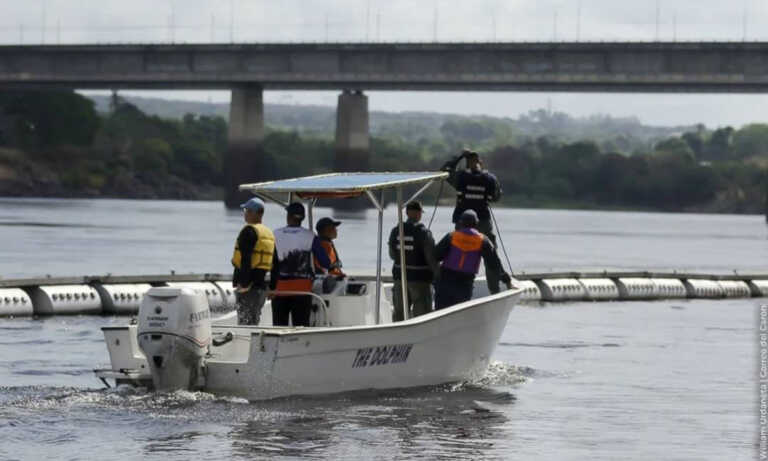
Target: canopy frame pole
column 378, row 204
column 267, row 197
column 420, row 191
column 310, row 208
column 401, row 231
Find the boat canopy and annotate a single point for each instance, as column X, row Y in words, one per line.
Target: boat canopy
column 337, row 185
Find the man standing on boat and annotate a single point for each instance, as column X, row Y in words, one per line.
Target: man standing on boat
column 475, row 189
column 253, row 258
column 460, row 252
column 293, row 270
column 420, row 264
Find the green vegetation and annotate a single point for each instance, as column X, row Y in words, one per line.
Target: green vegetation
column 71, row 150
column 56, row 143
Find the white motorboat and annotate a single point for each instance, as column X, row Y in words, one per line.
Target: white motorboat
column 354, row 344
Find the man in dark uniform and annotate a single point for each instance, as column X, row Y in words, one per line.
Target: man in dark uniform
column 460, row 252
column 420, row 264
column 252, row 259
column 475, row 189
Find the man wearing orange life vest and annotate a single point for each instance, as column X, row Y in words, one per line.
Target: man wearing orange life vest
column 326, row 232
column 252, row 259
column 460, row 252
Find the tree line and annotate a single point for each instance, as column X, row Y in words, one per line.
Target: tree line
column 56, row 143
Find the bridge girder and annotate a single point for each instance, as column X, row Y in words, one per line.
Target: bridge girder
column 574, row 67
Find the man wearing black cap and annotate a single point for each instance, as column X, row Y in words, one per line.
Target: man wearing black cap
column 293, row 271
column 460, row 252
column 420, row 264
column 326, row 233
column 475, row 189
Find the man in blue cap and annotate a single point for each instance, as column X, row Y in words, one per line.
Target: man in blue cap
column 460, row 252
column 253, row 258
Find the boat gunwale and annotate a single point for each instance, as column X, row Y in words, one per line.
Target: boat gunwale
column 416, row 321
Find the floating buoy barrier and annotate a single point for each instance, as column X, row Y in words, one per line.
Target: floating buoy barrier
column 122, row 295
column 562, row 289
column 759, row 287
column 65, row 300
column 600, row 289
column 121, row 299
column 227, row 291
column 636, row 288
column 15, row 302
column 669, row 288
column 703, row 288
column 735, row 288
column 218, row 300
column 531, row 291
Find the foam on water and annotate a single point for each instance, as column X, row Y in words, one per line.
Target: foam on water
column 503, row 374
column 139, row 399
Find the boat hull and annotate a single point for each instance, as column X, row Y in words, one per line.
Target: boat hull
column 450, row 345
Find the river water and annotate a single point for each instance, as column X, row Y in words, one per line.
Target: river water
column 671, row 380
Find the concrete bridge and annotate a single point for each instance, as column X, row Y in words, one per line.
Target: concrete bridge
column 354, row 67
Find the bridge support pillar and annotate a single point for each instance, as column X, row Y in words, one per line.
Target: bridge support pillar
column 244, row 160
column 353, row 141
column 246, row 115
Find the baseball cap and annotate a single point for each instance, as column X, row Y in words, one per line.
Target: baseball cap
column 414, row 205
column 469, row 217
column 253, row 204
column 325, row 222
column 295, row 209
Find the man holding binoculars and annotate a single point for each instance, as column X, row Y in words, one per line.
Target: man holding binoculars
column 475, row 189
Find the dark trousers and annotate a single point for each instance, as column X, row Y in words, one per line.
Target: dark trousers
column 297, row 307
column 419, row 299
column 491, row 276
column 451, row 291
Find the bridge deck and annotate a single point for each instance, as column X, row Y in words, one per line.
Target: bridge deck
column 590, row 67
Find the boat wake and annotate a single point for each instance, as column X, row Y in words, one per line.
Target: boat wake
column 183, row 403
column 560, row 345
column 136, row 399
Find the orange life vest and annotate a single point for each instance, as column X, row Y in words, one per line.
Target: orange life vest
column 330, row 250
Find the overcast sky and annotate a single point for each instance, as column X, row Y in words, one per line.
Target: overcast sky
column 102, row 21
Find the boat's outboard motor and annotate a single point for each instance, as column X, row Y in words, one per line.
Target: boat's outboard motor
column 174, row 333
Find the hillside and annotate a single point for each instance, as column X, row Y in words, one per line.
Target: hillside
column 413, row 127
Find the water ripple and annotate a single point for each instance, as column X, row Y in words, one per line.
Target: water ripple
column 557, row 345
